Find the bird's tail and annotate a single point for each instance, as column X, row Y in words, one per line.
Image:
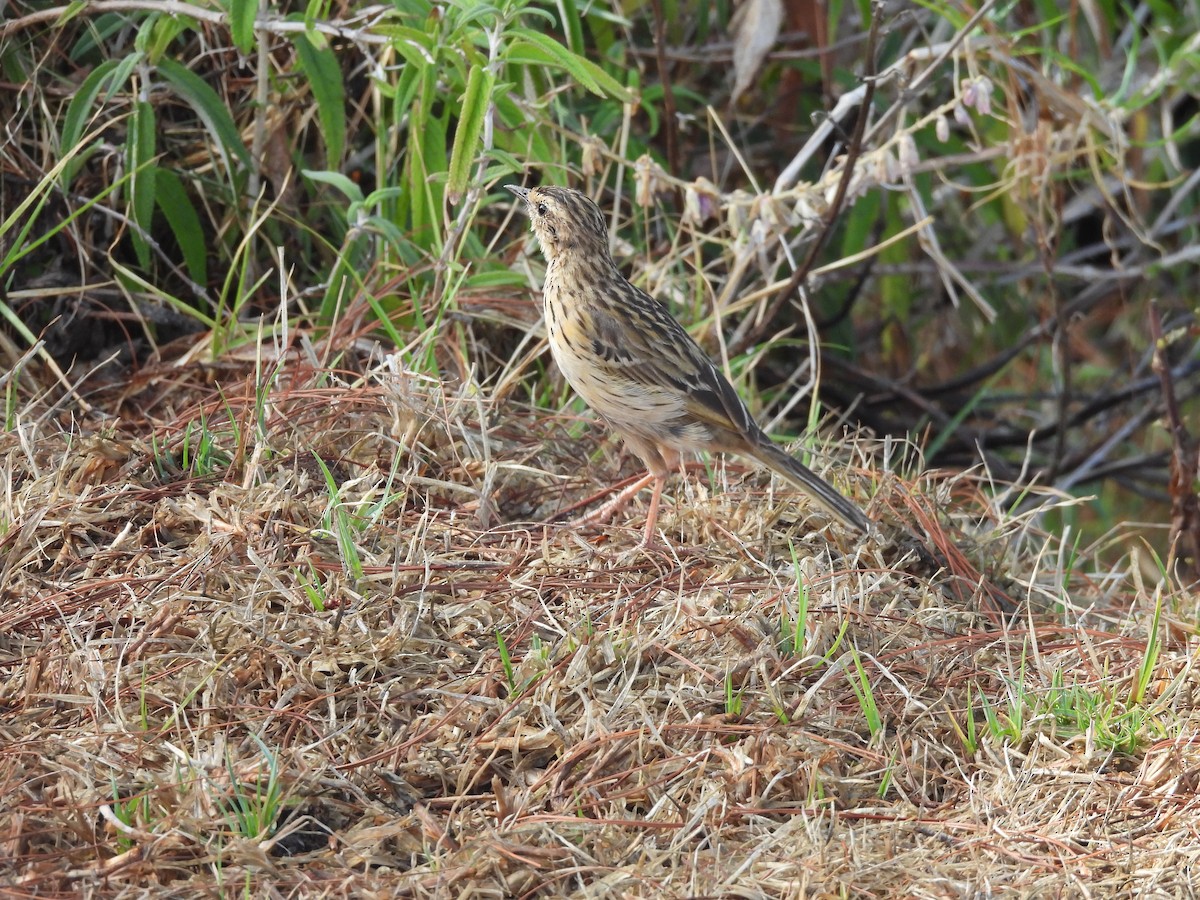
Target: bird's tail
column 799, row 475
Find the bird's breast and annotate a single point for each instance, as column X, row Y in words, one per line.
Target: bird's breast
column 612, row 382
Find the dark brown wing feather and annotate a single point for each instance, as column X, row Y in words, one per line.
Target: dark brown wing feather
column 651, row 347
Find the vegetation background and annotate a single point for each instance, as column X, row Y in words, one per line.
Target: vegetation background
column 284, row 606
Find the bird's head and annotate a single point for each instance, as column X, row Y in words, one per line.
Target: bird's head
column 564, row 220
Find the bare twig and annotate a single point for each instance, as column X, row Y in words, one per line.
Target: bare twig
column 853, row 150
column 1185, row 499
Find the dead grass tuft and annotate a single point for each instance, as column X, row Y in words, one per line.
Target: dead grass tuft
column 514, row 708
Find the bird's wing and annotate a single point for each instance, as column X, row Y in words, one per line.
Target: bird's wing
column 652, row 348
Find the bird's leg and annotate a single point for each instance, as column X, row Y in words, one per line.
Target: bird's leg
column 650, row 538
column 659, row 460
column 611, row 507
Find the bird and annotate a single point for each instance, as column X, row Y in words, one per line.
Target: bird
column 636, row 366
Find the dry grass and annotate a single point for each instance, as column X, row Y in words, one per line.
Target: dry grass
column 510, row 708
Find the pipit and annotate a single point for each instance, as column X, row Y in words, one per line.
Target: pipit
column 636, row 366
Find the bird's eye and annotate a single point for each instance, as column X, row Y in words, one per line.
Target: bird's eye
column 542, row 209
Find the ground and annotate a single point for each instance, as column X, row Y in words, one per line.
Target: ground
column 314, row 632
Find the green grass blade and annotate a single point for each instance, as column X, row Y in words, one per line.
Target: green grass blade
column 325, row 79
column 185, row 224
column 140, row 151
column 242, row 15
column 211, row 110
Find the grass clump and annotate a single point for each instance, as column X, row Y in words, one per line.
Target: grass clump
column 289, row 601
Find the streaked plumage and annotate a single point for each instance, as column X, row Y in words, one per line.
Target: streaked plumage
column 636, row 366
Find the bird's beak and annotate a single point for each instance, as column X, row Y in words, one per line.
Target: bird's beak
column 521, row 192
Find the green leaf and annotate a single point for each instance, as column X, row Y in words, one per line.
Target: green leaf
column 160, row 32
column 476, row 102
column 74, row 8
column 388, row 229
column 572, row 25
column 425, row 167
column 406, row 89
column 515, row 143
column 242, row 14
column 861, row 219
column 498, row 279
column 435, row 162
column 382, row 195
column 337, row 180
column 609, row 86
column 94, row 38
column 417, row 47
column 532, row 52
column 325, row 78
column 181, row 216
column 531, row 47
column 79, row 110
column 208, row 106
column 139, row 149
